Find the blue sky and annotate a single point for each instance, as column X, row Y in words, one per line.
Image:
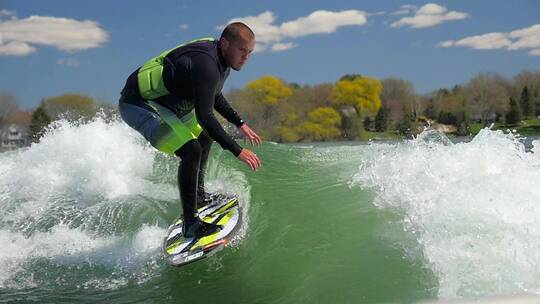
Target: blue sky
column 49, row 48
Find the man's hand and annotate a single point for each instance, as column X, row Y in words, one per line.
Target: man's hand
column 250, row 159
column 250, row 135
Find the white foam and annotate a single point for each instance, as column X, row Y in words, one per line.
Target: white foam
column 61, row 241
column 233, row 182
column 55, row 193
column 148, row 239
column 474, row 208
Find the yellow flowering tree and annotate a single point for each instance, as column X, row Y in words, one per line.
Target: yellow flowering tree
column 267, row 93
column 363, row 93
column 323, row 124
column 360, row 95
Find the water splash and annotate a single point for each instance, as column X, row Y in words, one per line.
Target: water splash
column 90, row 195
column 472, row 206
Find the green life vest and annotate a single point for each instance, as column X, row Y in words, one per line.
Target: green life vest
column 150, row 76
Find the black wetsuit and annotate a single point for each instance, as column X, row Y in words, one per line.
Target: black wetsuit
column 194, row 75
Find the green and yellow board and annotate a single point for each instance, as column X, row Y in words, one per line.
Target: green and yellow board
column 223, row 210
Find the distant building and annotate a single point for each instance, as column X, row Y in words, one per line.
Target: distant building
column 13, row 136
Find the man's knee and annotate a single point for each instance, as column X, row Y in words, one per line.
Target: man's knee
column 205, row 141
column 191, row 149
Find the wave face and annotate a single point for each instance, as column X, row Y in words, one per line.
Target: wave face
column 88, row 207
column 473, row 207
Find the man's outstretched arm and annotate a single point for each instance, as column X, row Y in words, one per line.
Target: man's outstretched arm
column 224, row 108
column 205, row 77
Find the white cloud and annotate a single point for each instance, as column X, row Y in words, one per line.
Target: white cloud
column 522, row 39
column 404, row 10
column 183, row 27
column 318, row 22
column 16, row 48
column 322, row 22
column 482, row 42
column 535, row 52
column 428, row 15
column 262, row 25
column 527, row 38
column 282, row 46
column 63, row 33
column 70, row 62
column 381, row 13
column 260, row 47
column 7, row 13
column 447, row 43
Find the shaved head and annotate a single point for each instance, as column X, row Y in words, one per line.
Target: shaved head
column 237, row 31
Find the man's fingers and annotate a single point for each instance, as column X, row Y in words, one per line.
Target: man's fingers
column 256, row 163
column 255, row 140
column 250, row 159
column 251, row 136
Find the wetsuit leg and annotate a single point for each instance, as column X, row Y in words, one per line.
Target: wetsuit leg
column 188, row 171
column 140, row 117
column 206, row 144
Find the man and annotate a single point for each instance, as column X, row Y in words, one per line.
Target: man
column 158, row 101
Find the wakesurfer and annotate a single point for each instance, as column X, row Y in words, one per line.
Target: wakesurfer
column 171, row 100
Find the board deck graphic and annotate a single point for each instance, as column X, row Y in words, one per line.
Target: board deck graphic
column 223, row 210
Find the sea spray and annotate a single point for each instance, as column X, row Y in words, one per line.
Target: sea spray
column 474, row 207
column 89, row 196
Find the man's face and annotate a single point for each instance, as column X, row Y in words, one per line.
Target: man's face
column 236, row 53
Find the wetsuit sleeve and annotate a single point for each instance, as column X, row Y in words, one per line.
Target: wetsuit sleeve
column 224, row 108
column 204, row 78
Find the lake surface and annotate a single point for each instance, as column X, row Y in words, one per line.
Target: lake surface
column 83, row 214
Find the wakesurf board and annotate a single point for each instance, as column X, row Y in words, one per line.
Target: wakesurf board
column 223, row 209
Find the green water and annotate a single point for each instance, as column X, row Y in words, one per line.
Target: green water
column 311, row 238
column 83, row 214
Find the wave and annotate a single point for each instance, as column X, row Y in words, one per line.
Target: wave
column 472, row 207
column 92, row 195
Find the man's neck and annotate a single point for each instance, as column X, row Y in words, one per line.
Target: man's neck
column 221, row 57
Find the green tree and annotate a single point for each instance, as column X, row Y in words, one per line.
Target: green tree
column 381, row 120
column 40, row 120
column 368, row 123
column 431, row 110
column 407, row 126
column 448, row 118
column 526, row 103
column 462, row 123
column 350, row 77
column 513, row 116
column 70, row 106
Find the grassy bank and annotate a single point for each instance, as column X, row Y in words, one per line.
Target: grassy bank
column 525, row 127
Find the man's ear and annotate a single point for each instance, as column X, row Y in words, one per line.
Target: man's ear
column 223, row 43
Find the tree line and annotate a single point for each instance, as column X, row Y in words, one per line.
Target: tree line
column 345, row 110
column 356, row 104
